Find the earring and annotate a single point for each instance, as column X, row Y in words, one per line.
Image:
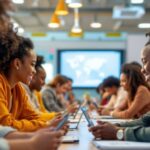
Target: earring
column 17, row 68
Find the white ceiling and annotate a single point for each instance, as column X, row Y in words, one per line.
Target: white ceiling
column 35, row 19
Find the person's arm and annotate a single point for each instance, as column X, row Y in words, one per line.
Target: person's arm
column 28, row 119
column 5, row 130
column 110, row 104
column 139, row 134
column 50, row 101
column 19, row 135
column 141, row 98
column 45, row 141
column 45, row 115
column 143, row 121
column 133, row 123
column 11, row 133
column 122, row 106
column 40, row 101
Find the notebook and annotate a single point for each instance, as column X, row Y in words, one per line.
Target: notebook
column 121, row 145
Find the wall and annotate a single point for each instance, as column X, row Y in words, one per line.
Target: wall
column 135, row 43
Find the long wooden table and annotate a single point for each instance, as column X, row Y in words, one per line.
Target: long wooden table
column 85, row 140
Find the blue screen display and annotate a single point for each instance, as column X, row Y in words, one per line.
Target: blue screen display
column 88, row 68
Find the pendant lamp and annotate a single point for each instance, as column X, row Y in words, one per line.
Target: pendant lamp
column 61, row 8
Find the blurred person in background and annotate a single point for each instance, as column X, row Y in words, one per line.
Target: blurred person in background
column 137, row 102
column 136, row 130
column 111, row 85
column 33, row 90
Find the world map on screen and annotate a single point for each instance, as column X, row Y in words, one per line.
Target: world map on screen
column 89, row 69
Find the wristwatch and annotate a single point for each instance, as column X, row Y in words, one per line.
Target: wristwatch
column 120, row 134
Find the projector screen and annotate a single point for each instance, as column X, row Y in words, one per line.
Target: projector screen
column 88, row 68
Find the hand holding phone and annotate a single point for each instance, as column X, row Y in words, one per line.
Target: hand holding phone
column 62, row 123
column 90, row 123
column 95, row 104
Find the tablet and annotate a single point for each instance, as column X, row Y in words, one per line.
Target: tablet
column 90, row 123
column 62, row 123
column 70, row 139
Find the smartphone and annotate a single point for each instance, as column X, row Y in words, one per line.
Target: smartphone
column 90, row 123
column 60, row 125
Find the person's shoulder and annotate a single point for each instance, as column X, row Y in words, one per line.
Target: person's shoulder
column 47, row 88
column 143, row 88
column 20, row 87
column 4, row 83
column 2, row 79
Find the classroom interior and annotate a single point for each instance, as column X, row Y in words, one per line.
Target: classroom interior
column 88, row 41
column 117, row 29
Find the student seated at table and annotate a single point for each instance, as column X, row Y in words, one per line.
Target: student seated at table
column 53, row 94
column 17, row 64
column 136, row 130
column 33, row 90
column 10, row 139
column 104, row 96
column 117, row 94
column 137, row 102
column 44, row 139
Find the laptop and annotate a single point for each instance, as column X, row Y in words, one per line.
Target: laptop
column 121, row 145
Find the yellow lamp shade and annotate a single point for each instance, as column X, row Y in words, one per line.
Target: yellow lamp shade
column 61, row 8
column 76, row 35
column 54, row 22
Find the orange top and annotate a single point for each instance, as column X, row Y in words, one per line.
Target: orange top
column 136, row 108
column 45, row 115
column 15, row 109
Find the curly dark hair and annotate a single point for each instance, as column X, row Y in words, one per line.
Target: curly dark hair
column 110, row 82
column 148, row 35
column 39, row 62
column 12, row 46
column 135, row 78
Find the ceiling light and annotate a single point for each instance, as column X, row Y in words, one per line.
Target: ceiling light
column 137, row 1
column 75, row 4
column 144, row 25
column 15, row 25
column 20, row 30
column 54, row 22
column 76, row 27
column 96, row 25
column 68, row 1
column 76, row 35
column 18, row 1
column 76, row 30
column 61, row 8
